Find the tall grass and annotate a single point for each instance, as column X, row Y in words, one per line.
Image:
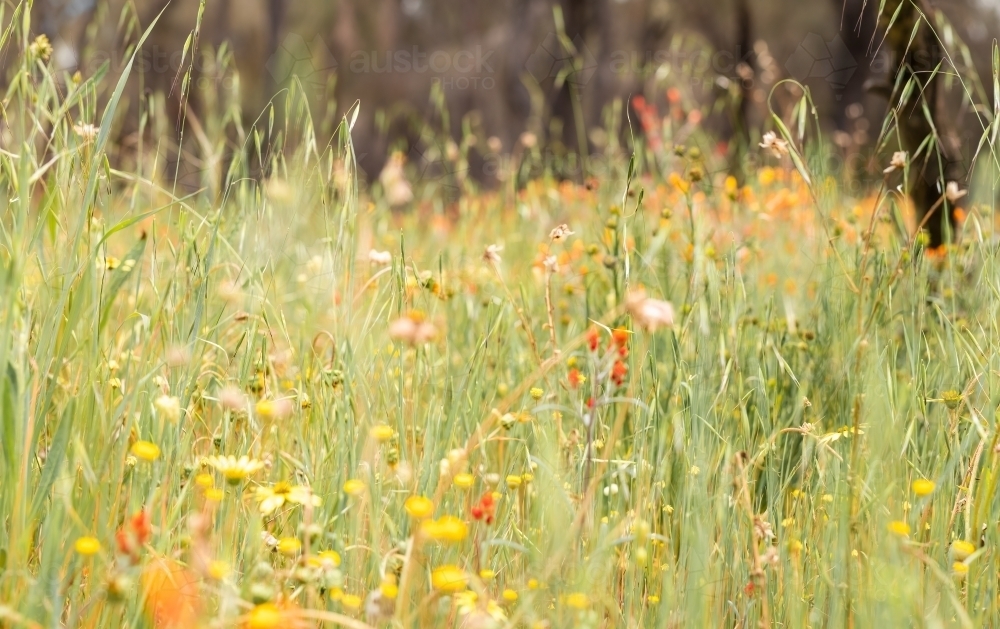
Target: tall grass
column 755, row 466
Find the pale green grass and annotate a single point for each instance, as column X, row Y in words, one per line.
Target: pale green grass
column 801, row 390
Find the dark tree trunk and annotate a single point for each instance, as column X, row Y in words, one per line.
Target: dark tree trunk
column 917, row 110
column 739, row 143
column 277, row 10
column 564, row 109
column 858, row 21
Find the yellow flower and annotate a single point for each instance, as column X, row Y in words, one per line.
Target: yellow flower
column 533, row 584
column 653, row 599
column 961, row 549
column 354, row 487
column 218, row 570
column 382, row 433
column 509, row 595
column 419, row 507
column 513, row 481
column 959, row 569
column 899, row 528
column 272, row 498
column 731, row 185
column 350, row 601
column 289, row 545
column 273, row 409
column 204, row 481
column 951, row 398
column 468, row 603
column 923, row 487
column 146, row 450
column 677, row 182
column 767, row 176
column 214, row 494
column 330, row 556
column 41, row 48
column 486, row 574
column 463, row 480
column 536, row 393
column 235, row 470
column 87, row 546
column 449, row 578
column 267, row 616
column 389, row 588
column 577, row 600
column 447, row 528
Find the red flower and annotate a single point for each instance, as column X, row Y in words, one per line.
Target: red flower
column 618, row 372
column 593, row 339
column 485, row 509
column 133, row 536
column 141, row 526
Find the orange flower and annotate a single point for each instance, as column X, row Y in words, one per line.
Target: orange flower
column 575, row 378
column 620, row 337
column 172, row 596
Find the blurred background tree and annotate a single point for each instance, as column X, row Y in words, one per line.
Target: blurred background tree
column 566, row 71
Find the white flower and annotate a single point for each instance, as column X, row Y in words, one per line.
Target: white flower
column 86, row 131
column 232, row 399
column 397, row 188
column 898, row 162
column 649, row 314
column 561, row 233
column 272, row 498
column 169, row 407
column 381, row 258
column 773, row 143
column 953, row 193
column 412, row 329
column 492, row 254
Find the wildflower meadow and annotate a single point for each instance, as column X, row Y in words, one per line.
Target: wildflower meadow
column 276, row 393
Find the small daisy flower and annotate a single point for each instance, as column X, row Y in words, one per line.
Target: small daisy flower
column 235, row 470
column 773, row 143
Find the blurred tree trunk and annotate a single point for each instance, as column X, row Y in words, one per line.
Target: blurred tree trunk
column 575, row 16
column 519, row 48
column 739, row 143
column 857, row 30
column 277, row 10
column 916, row 106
